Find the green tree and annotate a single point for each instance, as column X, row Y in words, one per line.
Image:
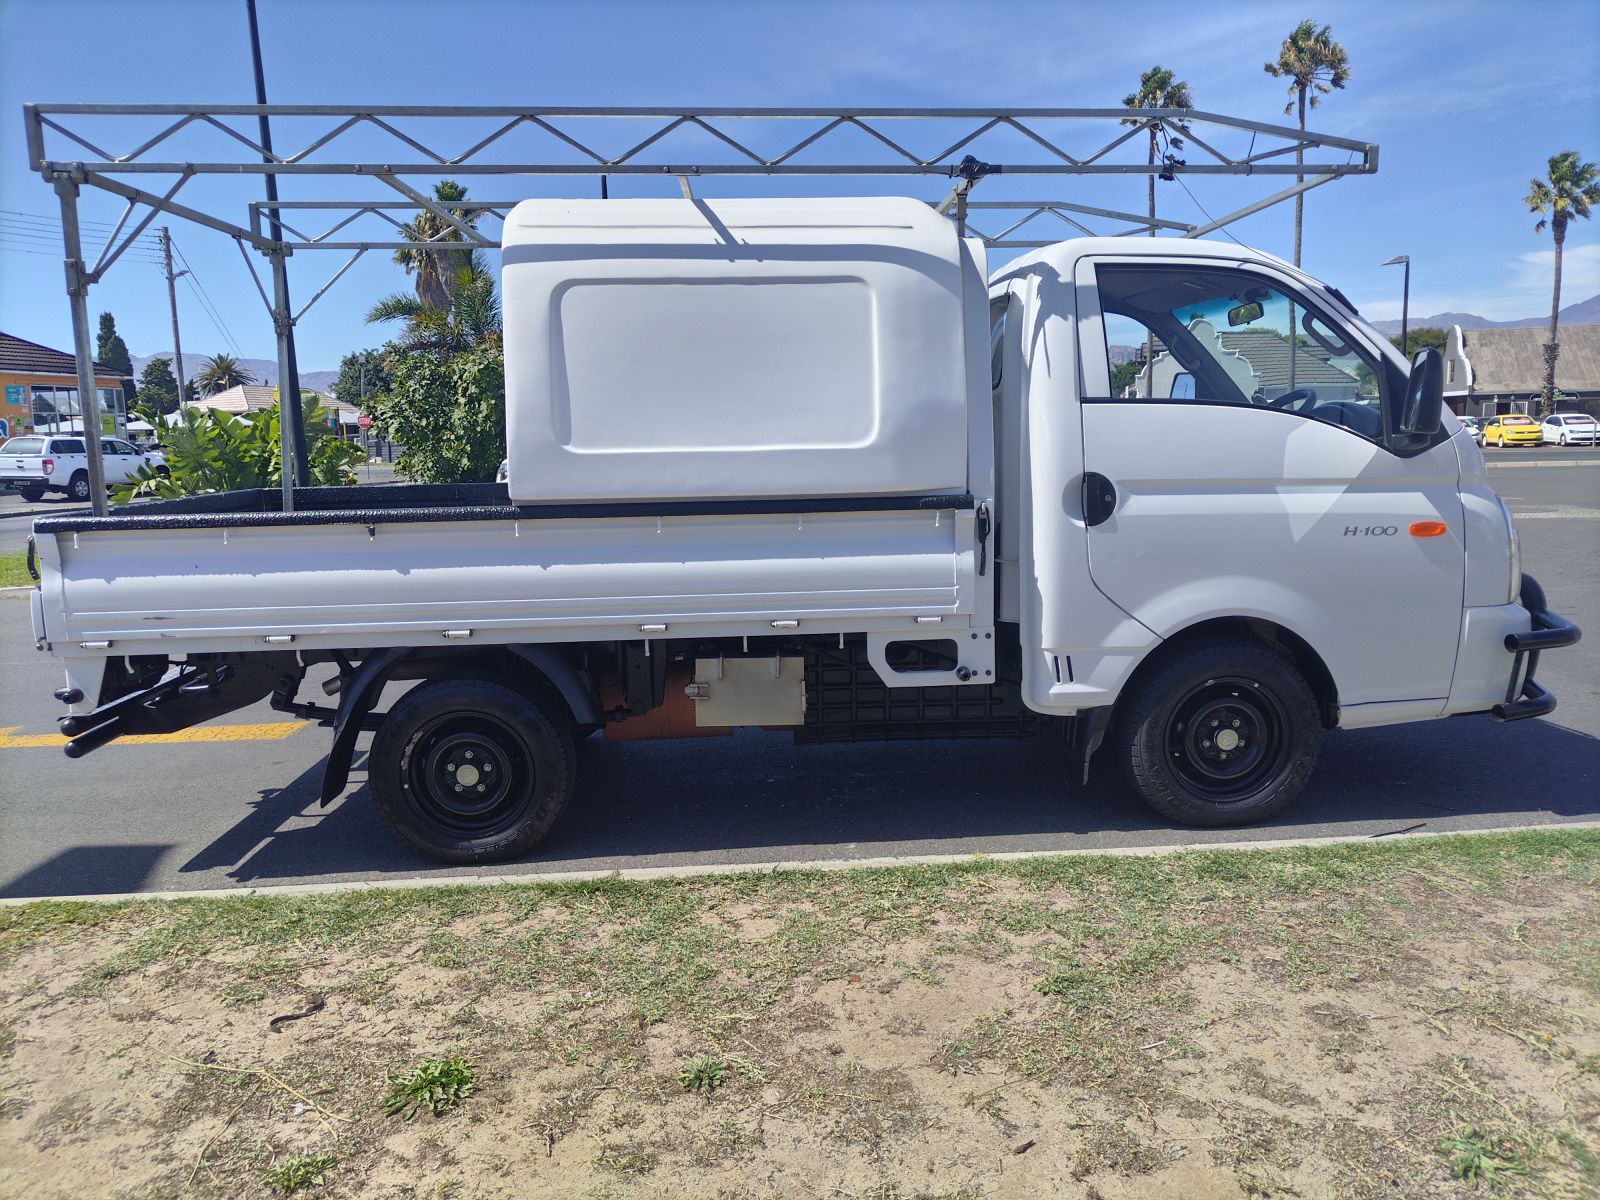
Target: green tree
column 362, row 373
column 1569, row 190
column 437, row 270
column 221, row 372
column 1158, row 88
column 448, row 409
column 158, row 388
column 1314, row 64
column 1428, row 337
column 1123, row 374
column 110, row 349
column 470, row 316
column 212, row 451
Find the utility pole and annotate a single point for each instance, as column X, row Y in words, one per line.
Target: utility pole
column 172, row 299
column 294, row 450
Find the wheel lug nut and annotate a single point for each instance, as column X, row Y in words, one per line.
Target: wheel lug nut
column 458, row 787
column 481, row 787
column 1214, row 724
column 487, row 767
column 1206, row 743
column 1236, row 724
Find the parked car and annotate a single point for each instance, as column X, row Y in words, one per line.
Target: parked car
column 1570, row 429
column 36, row 463
column 1474, row 428
column 1511, row 429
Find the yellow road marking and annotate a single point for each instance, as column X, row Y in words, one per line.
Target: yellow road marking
column 268, row 731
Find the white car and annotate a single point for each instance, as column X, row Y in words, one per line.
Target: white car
column 1570, row 429
column 1474, row 428
column 38, row 463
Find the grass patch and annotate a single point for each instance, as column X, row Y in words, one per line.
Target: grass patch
column 435, row 1084
column 703, row 1074
column 14, row 570
column 1069, row 1008
column 297, row 1172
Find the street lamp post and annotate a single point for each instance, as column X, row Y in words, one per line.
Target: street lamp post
column 1405, row 302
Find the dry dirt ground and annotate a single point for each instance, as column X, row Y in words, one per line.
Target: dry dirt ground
column 1417, row 1019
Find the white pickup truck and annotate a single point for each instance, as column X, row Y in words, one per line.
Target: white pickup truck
column 797, row 463
column 33, row 464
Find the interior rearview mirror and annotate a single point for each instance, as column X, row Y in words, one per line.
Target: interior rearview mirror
column 1423, row 404
column 1243, row 314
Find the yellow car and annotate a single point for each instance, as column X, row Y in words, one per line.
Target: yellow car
column 1513, row 429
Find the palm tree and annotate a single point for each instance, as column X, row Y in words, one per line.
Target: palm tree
column 469, row 317
column 221, row 372
column 1158, row 88
column 1569, row 191
column 436, row 270
column 1314, row 64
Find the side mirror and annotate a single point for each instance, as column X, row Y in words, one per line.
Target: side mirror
column 1422, row 406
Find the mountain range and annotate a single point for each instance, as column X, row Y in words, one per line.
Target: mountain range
column 1584, row 312
column 262, row 370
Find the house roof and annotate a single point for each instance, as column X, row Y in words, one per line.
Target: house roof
column 22, row 357
column 1265, row 351
column 1512, row 360
column 244, row 397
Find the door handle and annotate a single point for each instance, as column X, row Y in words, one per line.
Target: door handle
column 1099, row 498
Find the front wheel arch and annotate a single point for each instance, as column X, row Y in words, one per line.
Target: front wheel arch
column 1277, row 637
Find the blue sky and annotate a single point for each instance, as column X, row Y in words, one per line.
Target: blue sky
column 1466, row 101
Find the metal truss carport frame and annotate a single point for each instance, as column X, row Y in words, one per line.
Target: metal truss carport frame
column 58, row 137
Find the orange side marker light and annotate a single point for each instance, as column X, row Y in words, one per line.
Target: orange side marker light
column 1428, row 528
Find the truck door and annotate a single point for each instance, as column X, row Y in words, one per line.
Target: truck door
column 1231, row 475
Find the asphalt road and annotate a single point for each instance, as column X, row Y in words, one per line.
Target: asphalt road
column 206, row 815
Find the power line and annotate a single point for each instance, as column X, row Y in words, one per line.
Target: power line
column 1224, row 230
column 206, row 302
column 23, row 246
column 55, row 222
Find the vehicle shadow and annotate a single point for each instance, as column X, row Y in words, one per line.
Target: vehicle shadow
column 758, row 798
column 88, row 871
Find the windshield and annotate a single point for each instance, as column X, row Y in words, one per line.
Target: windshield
column 22, row 445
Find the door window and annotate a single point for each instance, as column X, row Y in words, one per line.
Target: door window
column 1209, row 335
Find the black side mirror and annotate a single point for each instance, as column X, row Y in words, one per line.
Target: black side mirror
column 1422, row 406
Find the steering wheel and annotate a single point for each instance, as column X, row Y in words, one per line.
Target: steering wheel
column 1298, row 399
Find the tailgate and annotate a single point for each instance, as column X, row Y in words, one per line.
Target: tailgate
column 21, row 466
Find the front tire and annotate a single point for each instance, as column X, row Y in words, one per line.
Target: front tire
column 472, row 771
column 1220, row 734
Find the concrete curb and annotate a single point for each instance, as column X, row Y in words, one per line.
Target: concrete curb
column 635, row 874
column 1554, row 462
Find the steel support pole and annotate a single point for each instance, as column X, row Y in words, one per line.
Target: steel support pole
column 288, row 402
column 78, row 294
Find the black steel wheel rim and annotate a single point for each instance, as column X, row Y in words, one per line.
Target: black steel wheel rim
column 1227, row 738
column 470, row 773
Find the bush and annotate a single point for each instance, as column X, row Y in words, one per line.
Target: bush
column 211, row 451
column 448, row 409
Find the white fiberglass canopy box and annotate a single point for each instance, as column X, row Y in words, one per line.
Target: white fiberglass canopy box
column 690, row 349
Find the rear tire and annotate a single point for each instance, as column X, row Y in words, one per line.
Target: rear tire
column 78, row 486
column 472, row 771
column 31, row 494
column 1220, row 734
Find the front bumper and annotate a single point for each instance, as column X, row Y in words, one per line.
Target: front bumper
column 1550, row 632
